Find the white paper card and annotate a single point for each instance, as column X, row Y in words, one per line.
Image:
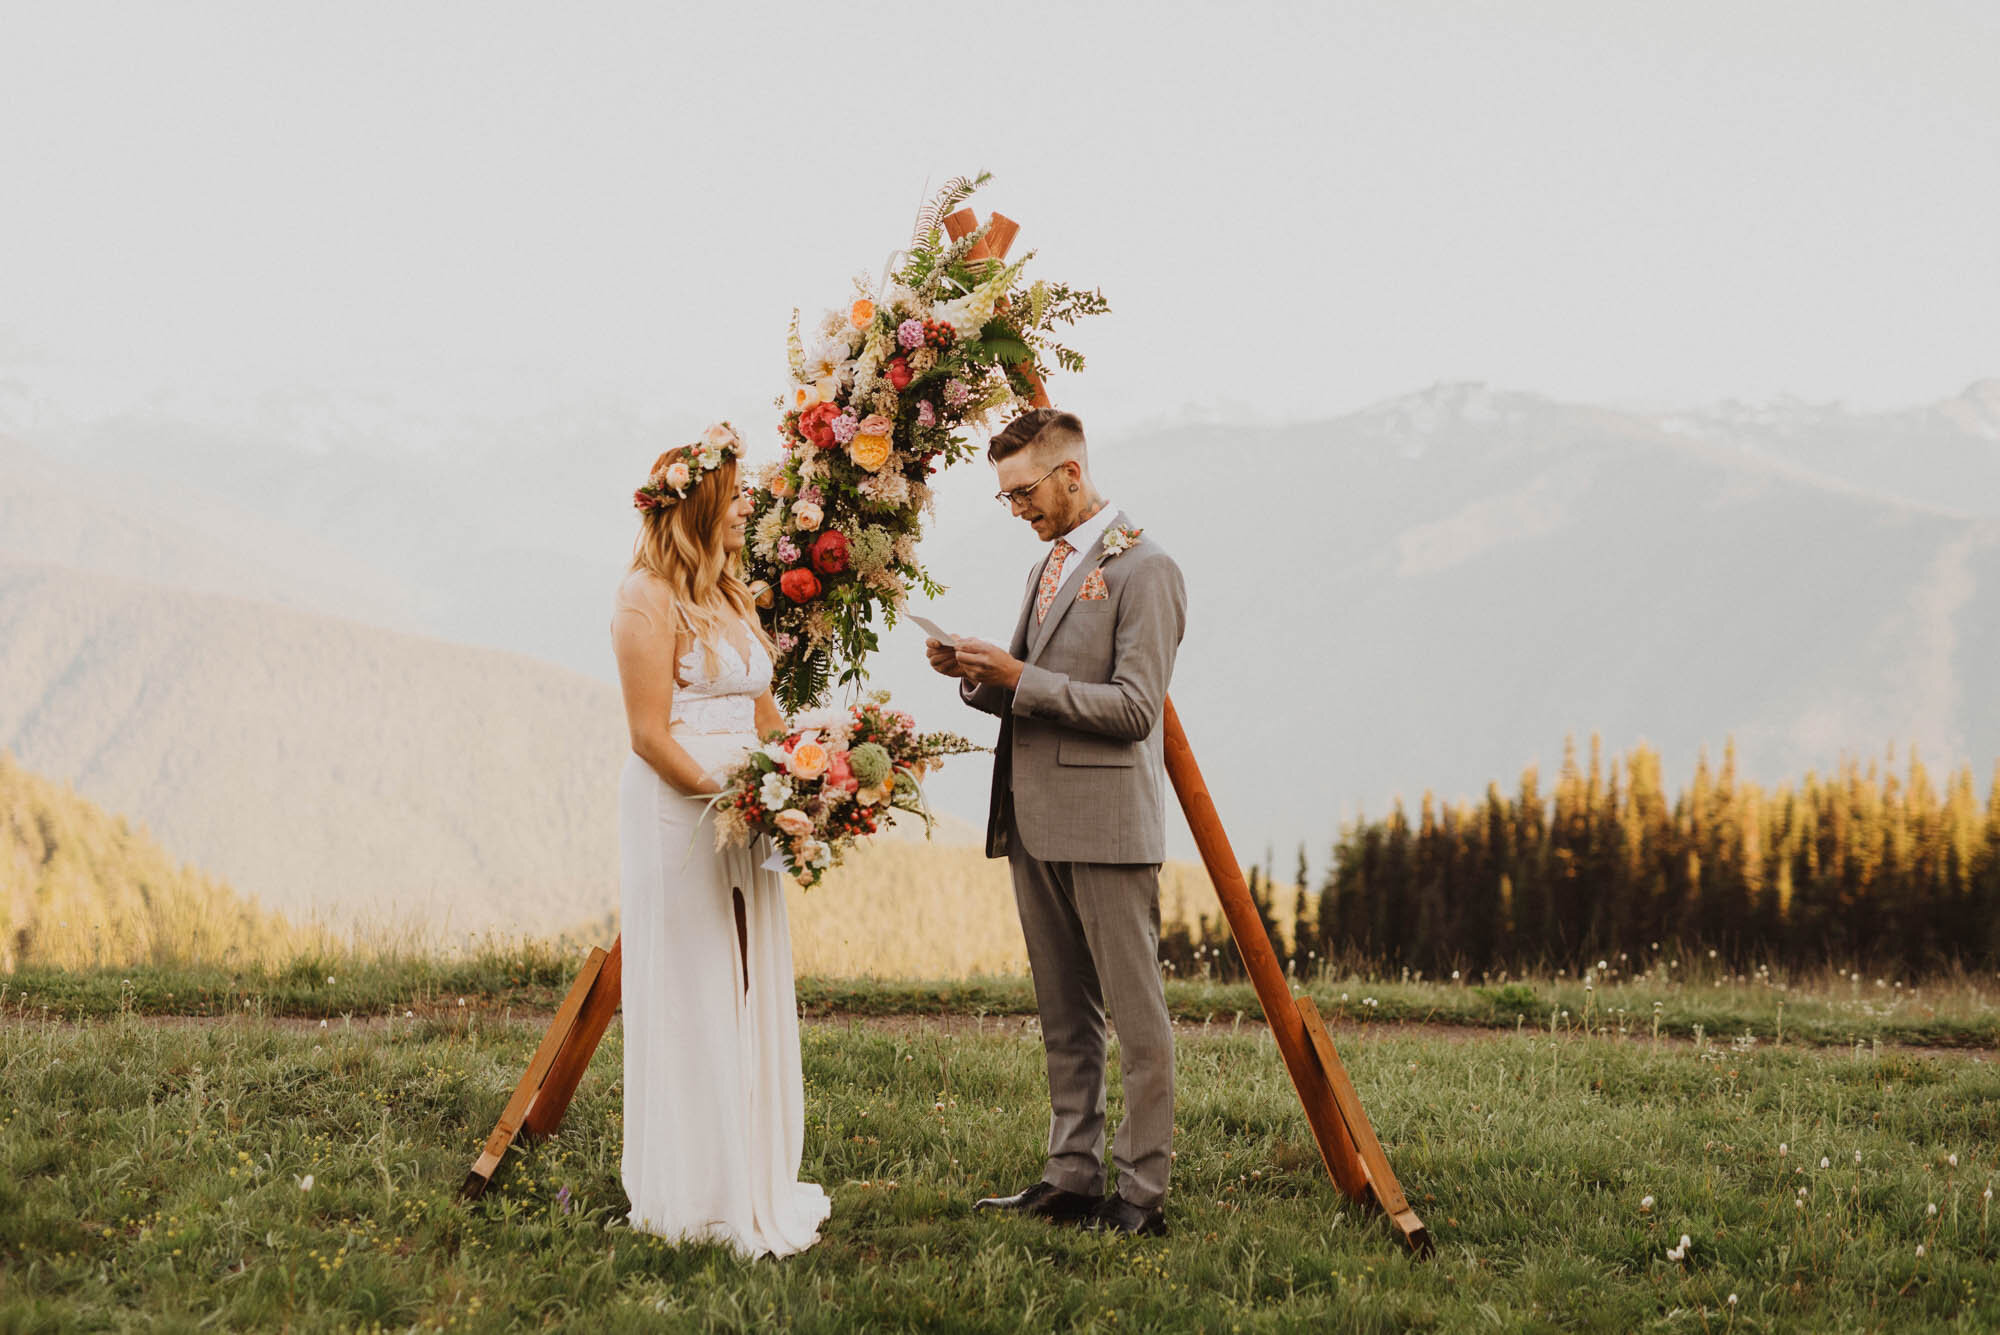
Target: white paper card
column 935, row 631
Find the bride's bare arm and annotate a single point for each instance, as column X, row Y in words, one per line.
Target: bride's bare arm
column 769, row 719
column 645, row 644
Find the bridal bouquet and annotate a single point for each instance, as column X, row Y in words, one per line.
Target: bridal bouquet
column 882, row 393
column 832, row 780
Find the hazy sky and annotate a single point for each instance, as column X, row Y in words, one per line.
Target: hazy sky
column 1295, row 209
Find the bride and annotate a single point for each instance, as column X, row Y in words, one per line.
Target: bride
column 714, row 1098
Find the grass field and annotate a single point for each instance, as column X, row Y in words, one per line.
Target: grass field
column 257, row 1172
column 1960, row 1011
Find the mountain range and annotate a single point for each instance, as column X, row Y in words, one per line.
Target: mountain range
column 1425, row 594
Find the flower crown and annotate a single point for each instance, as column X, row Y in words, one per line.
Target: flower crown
column 686, row 465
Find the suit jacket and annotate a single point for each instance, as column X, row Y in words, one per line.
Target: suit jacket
column 1079, row 773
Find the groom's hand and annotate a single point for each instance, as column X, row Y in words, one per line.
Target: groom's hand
column 943, row 658
column 988, row 664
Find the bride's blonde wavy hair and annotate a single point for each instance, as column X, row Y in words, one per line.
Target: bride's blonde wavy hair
column 680, row 544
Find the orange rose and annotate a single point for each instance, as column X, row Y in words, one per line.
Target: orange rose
column 860, row 313
column 793, row 821
column 808, row 760
column 869, row 452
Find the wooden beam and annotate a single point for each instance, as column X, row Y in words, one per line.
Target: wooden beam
column 512, row 1116
column 1329, row 1129
column 1382, row 1182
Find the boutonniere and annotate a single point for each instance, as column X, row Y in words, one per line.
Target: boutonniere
column 1119, row 539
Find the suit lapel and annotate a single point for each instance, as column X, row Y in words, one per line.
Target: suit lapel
column 1073, row 578
column 1018, row 646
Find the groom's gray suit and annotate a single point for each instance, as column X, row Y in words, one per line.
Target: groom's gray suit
column 1079, row 811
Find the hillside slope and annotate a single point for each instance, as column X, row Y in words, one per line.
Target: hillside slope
column 79, row 887
column 332, row 768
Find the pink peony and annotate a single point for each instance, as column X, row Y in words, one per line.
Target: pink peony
column 926, row 415
column 840, row 773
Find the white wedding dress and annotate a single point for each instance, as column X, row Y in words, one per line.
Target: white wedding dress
column 714, row 1098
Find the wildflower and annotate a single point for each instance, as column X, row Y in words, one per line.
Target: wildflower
column 1825, row 1162
column 1951, row 1159
column 1857, row 1158
column 329, row 980
column 562, row 1199
column 306, row 1182
column 1732, row 1300
column 322, row 1024
column 461, row 1001
column 409, row 1015
column 1920, row 1251
column 1931, row 1209
column 1645, row 1202
column 1783, row 1149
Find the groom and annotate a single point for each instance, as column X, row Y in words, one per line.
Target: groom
column 1078, row 810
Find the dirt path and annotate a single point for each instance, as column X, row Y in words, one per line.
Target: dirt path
column 995, row 1026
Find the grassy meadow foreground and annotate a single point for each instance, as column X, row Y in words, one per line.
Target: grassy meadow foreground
column 249, row 1171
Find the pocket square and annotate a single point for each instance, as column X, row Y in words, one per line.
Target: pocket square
column 1093, row 588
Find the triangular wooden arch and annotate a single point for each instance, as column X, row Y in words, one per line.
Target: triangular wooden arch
column 1340, row 1127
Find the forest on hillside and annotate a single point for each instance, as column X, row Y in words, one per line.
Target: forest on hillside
column 79, row 887
column 1872, row 866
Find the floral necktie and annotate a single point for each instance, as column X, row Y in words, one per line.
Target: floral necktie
column 1051, row 580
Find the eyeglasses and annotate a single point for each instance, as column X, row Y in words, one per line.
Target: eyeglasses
column 1022, row 495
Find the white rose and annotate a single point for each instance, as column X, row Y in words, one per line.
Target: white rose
column 806, row 516
column 719, row 436
column 677, row 475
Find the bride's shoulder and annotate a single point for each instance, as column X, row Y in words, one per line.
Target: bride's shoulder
column 647, row 597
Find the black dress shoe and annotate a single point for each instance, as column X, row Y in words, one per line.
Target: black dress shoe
column 1045, row 1200
column 1115, row 1214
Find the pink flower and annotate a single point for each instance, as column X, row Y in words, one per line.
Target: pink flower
column 844, row 427
column 926, row 415
column 793, row 822
column 787, row 641
column 840, row 774
column 677, row 475
column 875, row 424
column 910, row 334
column 956, row 393
column 788, row 551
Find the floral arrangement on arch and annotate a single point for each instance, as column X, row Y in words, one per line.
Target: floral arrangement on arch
column 884, row 391
column 831, row 781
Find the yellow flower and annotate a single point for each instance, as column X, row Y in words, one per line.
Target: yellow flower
column 869, row 452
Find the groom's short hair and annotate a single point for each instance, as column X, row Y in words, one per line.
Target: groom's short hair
column 1048, row 432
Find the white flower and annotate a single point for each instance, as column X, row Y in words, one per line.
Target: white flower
column 1920, row 1251
column 1645, row 1202
column 1825, row 1162
column 1951, row 1159
column 1931, row 1209
column 821, row 720
column 775, row 791
column 306, row 1182
column 1732, row 1300
column 1783, row 1149
column 828, row 358
column 329, row 980
column 814, row 853
column 1857, row 1157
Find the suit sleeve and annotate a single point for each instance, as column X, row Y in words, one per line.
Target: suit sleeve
column 1152, row 614
column 986, row 698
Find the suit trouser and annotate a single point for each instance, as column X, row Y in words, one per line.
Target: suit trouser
column 1093, row 933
